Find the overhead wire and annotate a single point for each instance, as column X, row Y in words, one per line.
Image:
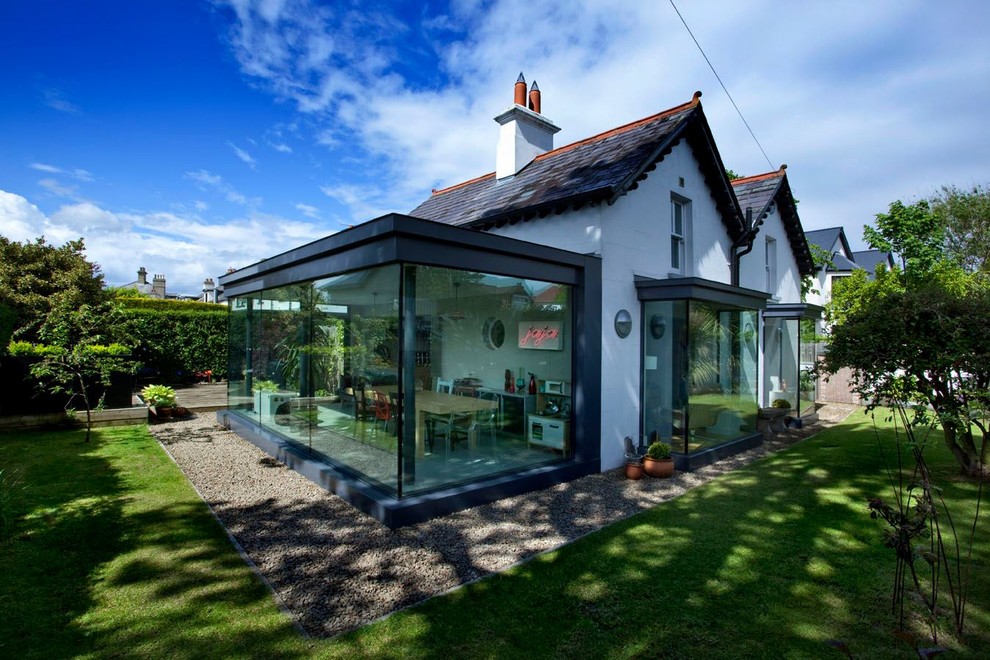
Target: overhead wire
column 724, row 88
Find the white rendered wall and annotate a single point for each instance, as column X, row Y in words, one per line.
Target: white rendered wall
column 633, row 238
column 752, row 267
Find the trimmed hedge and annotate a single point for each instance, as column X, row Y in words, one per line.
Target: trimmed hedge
column 177, row 339
column 7, row 318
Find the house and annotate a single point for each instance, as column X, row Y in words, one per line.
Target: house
column 616, row 286
column 843, row 261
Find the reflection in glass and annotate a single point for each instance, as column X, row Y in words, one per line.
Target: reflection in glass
column 327, row 365
column 700, row 374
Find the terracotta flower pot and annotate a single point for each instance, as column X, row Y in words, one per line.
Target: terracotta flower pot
column 660, row 469
column 163, row 412
column 634, row 470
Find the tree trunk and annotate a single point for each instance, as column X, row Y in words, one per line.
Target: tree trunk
column 964, row 449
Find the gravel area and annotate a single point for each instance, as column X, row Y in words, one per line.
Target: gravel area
column 335, row 568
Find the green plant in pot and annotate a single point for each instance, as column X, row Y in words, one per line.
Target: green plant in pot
column 159, row 397
column 262, row 385
column 781, row 403
column 658, row 461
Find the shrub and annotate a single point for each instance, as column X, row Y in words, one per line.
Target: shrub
column 658, row 451
column 261, row 385
column 178, row 339
column 158, row 395
column 781, row 403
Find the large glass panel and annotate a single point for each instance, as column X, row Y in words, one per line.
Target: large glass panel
column 722, row 374
column 808, row 383
column 781, row 382
column 240, row 348
column 492, row 362
column 700, row 375
column 353, row 365
column 665, row 361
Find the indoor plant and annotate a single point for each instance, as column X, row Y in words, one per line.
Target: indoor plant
column 658, row 462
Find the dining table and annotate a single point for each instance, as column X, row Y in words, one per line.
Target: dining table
column 429, row 402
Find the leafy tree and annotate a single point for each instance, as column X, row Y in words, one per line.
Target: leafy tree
column 913, row 233
column 37, row 277
column 923, row 339
column 81, row 350
column 965, row 215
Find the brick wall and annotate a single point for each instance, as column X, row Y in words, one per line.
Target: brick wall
column 838, row 388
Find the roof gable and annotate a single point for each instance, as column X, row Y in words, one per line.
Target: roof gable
column 760, row 193
column 827, row 238
column 598, row 169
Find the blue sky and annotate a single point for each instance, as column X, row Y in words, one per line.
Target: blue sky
column 189, row 136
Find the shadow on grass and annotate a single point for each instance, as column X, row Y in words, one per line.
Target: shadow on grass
column 777, row 557
column 112, row 553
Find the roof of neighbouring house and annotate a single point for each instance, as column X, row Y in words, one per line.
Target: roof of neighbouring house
column 826, row 238
column 598, row 169
column 760, row 193
column 870, row 259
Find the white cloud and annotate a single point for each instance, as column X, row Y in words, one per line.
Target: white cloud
column 56, row 100
column 182, row 247
column 78, row 174
column 42, row 167
column 208, row 181
column 243, row 155
column 843, row 92
column 281, row 147
column 59, row 189
column 308, row 211
column 20, row 220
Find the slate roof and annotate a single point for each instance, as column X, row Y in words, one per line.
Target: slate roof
column 759, row 193
column 826, row 238
column 598, row 169
column 870, row 259
column 841, row 263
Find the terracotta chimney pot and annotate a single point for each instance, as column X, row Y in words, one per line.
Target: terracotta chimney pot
column 534, row 98
column 519, row 92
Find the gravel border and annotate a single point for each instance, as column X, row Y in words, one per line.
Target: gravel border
column 336, row 568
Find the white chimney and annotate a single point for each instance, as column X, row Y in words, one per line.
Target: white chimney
column 524, row 132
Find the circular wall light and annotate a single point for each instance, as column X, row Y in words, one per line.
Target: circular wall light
column 623, row 323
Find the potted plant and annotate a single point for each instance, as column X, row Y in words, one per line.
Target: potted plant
column 634, row 460
column 658, row 461
column 160, row 398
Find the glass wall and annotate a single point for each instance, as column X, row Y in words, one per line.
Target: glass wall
column 807, row 381
column 700, row 375
column 488, row 359
column 782, row 358
column 790, row 350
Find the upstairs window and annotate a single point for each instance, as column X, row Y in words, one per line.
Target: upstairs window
column 679, row 220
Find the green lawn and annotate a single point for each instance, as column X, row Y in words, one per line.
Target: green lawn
column 112, row 554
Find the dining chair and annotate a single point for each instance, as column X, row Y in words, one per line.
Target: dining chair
column 487, row 420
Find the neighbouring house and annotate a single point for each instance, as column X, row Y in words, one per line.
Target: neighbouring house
column 513, row 329
column 155, row 288
column 843, row 261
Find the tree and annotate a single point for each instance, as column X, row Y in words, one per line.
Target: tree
column 36, row 277
column 81, row 350
column 965, row 215
column 921, row 339
column 913, row 233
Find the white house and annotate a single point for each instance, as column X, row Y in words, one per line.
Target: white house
column 617, row 286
